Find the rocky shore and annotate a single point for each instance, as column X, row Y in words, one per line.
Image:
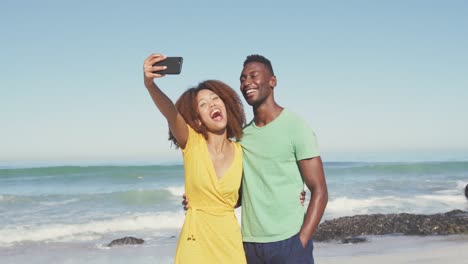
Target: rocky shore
column 353, row 229
column 344, row 228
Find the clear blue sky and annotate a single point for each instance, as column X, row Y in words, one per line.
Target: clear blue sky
column 377, row 80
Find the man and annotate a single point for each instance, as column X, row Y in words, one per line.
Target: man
column 280, row 154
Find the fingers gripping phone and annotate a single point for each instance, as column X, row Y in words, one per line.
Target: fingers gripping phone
column 174, row 65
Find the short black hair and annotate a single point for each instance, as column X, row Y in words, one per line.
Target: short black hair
column 261, row 59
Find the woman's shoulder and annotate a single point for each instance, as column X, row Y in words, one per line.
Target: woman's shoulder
column 237, row 147
column 194, row 139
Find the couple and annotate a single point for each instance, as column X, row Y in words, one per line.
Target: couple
column 275, row 153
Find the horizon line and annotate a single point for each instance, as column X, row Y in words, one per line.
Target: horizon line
column 37, row 165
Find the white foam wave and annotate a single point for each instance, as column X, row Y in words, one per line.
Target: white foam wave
column 91, row 230
column 176, row 190
column 64, row 202
column 344, row 206
column 6, row 198
column 461, row 185
column 449, row 200
column 423, row 204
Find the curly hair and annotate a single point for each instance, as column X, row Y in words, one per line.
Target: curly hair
column 186, row 105
column 261, row 59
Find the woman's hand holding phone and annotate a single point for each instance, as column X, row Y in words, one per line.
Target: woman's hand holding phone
column 150, row 71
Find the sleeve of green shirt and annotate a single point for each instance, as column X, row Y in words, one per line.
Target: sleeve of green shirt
column 305, row 141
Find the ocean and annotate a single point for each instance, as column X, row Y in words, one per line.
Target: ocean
column 69, row 214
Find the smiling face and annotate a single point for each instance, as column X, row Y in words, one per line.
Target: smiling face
column 212, row 111
column 256, row 83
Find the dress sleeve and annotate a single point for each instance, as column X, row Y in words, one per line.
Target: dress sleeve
column 193, row 136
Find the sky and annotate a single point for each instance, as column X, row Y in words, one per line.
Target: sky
column 376, row 80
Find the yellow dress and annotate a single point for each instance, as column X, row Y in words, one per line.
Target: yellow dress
column 211, row 232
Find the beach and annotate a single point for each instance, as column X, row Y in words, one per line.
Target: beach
column 383, row 250
column 402, row 250
column 69, row 214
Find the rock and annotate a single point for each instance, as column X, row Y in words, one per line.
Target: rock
column 466, row 191
column 126, row 241
column 453, row 222
column 353, row 240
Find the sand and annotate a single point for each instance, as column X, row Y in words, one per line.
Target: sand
column 396, row 249
column 379, row 250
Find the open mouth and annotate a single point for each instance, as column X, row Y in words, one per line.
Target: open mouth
column 216, row 115
column 249, row 92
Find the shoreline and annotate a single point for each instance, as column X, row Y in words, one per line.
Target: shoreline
column 390, row 249
column 387, row 249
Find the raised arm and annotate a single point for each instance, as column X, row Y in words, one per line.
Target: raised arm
column 176, row 122
column 312, row 172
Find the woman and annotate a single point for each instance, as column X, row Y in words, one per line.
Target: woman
column 201, row 123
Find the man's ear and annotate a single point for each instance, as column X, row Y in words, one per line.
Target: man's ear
column 272, row 82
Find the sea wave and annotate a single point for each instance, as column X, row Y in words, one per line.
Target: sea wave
column 141, row 172
column 129, row 197
column 176, row 190
column 423, row 204
column 58, row 203
column 77, row 170
column 400, row 168
column 91, row 230
column 462, row 184
column 138, row 197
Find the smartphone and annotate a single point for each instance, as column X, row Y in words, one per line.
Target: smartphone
column 174, row 65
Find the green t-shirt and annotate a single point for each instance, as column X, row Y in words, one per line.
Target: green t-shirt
column 272, row 182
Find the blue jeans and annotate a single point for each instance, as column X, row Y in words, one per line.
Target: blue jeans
column 288, row 251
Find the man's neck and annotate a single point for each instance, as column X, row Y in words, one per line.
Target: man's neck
column 266, row 113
